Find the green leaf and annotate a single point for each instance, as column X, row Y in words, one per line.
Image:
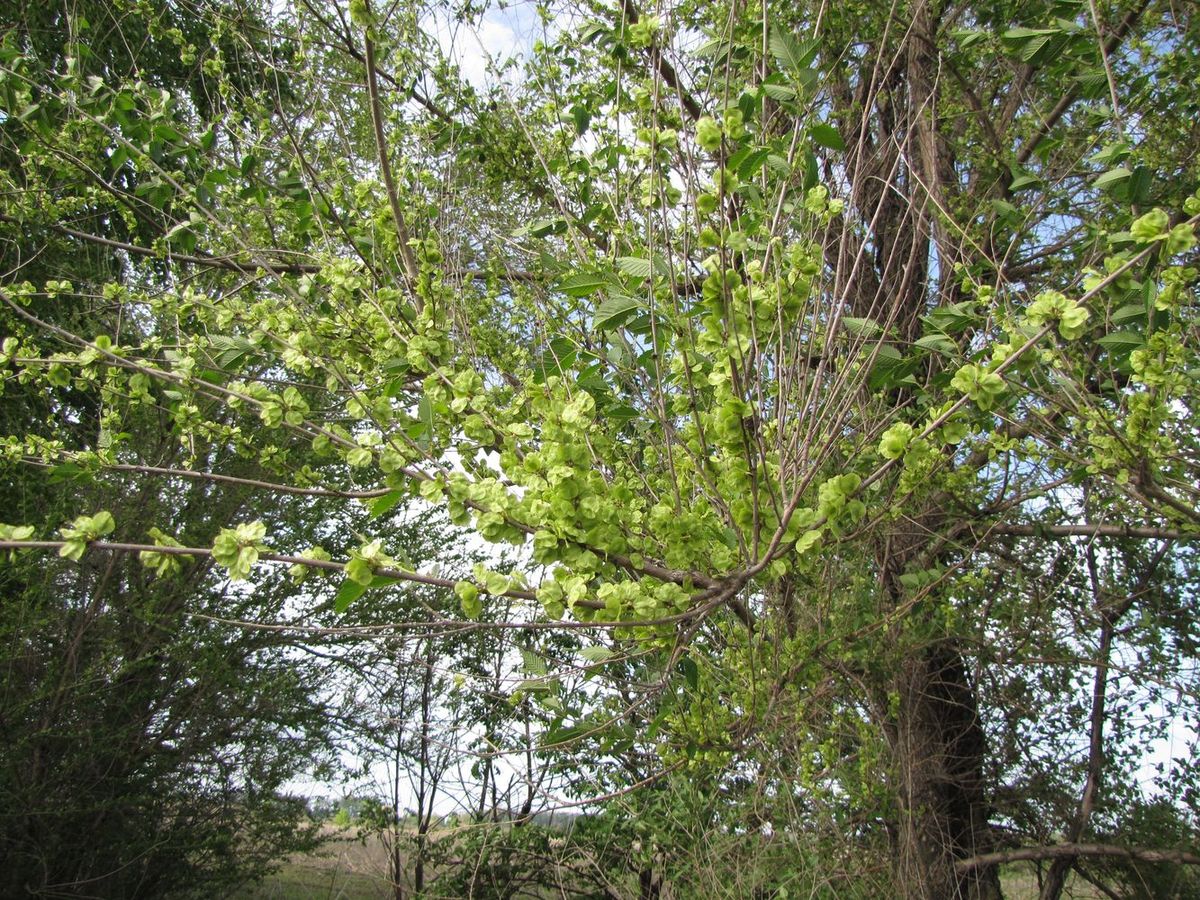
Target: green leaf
column 556, row 736
column 536, row 685
column 862, row 327
column 532, row 663
column 384, row 504
column 827, row 136
column 347, row 594
column 1111, row 153
column 1112, row 178
column 1122, row 342
column 636, row 266
column 790, row 53
column 781, row 92
column 596, row 654
column 583, row 284
column 1024, row 182
column 1029, row 43
column 953, row 318
column 890, row 368
column 1130, row 312
column 614, row 312
column 750, row 165
column 969, row 37
column 543, row 227
column 622, row 412
column 691, row 672
column 582, row 116
column 425, row 417
column 938, row 343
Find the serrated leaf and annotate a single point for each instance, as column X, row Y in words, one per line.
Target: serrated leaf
column 596, row 653
column 532, row 664
column 748, row 167
column 778, row 163
column 582, row 284
column 1122, row 342
column 890, row 368
column 635, row 266
column 1112, row 177
column 969, row 37
column 781, row 92
column 862, row 327
column 714, row 47
column 691, row 672
column 66, row 471
column 563, row 347
column 953, row 318
column 1110, row 153
column 790, row 53
column 1130, row 312
column 614, row 312
column 537, row 685
column 425, row 417
column 939, row 343
column 1029, row 43
column 562, row 735
column 785, row 48
column 542, row 227
column 621, row 413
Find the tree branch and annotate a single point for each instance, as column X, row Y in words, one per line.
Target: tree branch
column 1074, row 851
column 665, row 70
column 385, row 167
column 232, row 265
column 214, row 262
column 1067, row 100
column 1096, row 530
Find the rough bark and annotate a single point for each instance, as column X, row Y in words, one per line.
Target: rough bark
column 939, row 748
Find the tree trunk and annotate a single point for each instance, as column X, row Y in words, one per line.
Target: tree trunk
column 939, row 745
column 649, row 887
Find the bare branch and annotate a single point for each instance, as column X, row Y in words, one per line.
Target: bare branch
column 406, row 251
column 1074, row 851
column 1097, row 530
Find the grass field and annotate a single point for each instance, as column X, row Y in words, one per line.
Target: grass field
column 347, row 868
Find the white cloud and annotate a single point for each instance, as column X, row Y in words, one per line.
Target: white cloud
column 502, row 35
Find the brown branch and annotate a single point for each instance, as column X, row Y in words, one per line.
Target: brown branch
column 406, row 251
column 328, row 565
column 1110, row 614
column 347, row 45
column 231, row 479
column 665, row 70
column 1096, row 530
column 217, row 262
column 1067, row 100
column 232, row 265
column 1074, row 851
column 334, row 566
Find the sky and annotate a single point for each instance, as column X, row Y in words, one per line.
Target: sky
column 503, row 34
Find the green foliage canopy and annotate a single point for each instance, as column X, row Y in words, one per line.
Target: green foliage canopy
column 844, row 358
